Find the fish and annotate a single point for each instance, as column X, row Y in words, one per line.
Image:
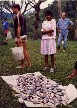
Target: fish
column 39, row 89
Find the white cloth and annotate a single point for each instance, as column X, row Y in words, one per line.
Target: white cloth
column 71, row 91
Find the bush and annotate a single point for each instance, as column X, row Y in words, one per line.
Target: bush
column 71, row 35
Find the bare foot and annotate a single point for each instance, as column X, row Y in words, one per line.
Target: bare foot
column 71, row 76
column 74, row 73
column 29, row 64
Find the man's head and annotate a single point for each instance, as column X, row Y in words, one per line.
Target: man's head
column 16, row 8
column 5, row 19
column 63, row 15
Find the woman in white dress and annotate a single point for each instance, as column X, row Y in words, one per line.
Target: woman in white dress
column 48, row 43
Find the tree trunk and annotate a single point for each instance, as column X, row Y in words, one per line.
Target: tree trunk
column 1, row 12
column 59, row 8
column 76, row 22
column 76, row 12
column 36, row 24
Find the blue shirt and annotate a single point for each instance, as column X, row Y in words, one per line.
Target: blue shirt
column 63, row 24
column 5, row 25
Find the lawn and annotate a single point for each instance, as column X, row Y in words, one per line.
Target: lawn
column 64, row 65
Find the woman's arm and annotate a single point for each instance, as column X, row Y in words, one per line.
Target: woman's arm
column 47, row 32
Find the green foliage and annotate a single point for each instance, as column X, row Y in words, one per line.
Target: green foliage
column 64, row 66
column 1, row 29
column 71, row 35
column 30, row 18
column 70, row 8
column 54, row 8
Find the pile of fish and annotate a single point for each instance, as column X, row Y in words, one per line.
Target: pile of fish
column 39, row 89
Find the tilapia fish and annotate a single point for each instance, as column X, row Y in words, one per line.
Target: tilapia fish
column 39, row 89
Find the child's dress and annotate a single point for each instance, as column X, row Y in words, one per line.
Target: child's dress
column 48, row 43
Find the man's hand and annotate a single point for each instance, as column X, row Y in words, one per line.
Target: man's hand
column 69, row 27
column 59, row 30
column 18, row 40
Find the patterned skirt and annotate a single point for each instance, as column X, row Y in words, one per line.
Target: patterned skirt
column 48, row 46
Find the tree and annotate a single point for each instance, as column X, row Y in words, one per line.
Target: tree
column 7, row 5
column 1, row 12
column 36, row 6
column 54, row 8
column 59, row 8
column 71, row 8
column 2, row 7
column 76, row 21
column 76, row 9
column 26, row 4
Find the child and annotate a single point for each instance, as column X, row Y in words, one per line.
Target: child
column 48, row 43
column 5, row 28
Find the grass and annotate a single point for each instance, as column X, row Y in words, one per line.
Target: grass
column 64, row 65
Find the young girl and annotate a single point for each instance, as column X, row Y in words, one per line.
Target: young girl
column 48, row 43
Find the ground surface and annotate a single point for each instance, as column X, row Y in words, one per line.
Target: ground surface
column 64, row 65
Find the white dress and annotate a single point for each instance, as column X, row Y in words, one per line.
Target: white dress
column 48, row 43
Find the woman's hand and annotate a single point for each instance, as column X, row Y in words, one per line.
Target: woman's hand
column 50, row 34
column 44, row 30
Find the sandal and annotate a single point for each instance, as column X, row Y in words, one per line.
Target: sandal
column 51, row 70
column 45, row 68
column 20, row 67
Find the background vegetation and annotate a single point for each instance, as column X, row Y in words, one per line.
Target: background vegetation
column 67, row 5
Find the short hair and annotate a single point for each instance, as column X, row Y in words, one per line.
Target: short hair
column 16, row 6
column 48, row 13
column 5, row 18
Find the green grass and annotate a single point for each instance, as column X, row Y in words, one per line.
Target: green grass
column 64, row 65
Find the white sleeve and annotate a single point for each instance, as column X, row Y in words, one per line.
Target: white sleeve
column 54, row 27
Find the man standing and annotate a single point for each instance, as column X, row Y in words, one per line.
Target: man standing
column 20, row 33
column 63, row 25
